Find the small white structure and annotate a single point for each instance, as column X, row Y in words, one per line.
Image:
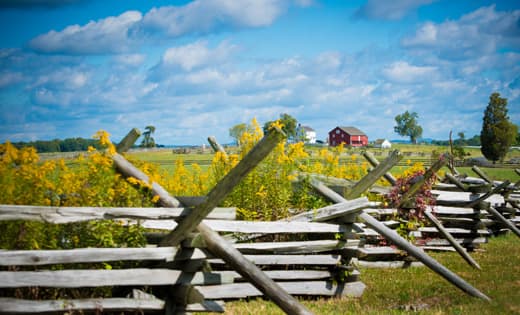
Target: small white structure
column 382, row 143
column 307, row 134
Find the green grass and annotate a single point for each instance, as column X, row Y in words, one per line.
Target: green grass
column 400, row 291
column 499, row 174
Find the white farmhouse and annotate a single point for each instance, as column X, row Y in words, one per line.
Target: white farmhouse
column 307, row 134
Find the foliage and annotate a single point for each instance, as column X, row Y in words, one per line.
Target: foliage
column 236, row 132
column 90, row 180
column 289, row 125
column 148, row 140
column 473, row 141
column 498, row 132
column 407, row 125
column 411, row 213
column 56, row 145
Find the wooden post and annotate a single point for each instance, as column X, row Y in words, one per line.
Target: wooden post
column 128, row 170
column 504, row 221
column 374, row 162
column 457, row 182
column 374, row 175
column 489, row 193
column 128, row 141
column 417, row 186
column 221, row 248
column 480, row 173
column 392, row 236
column 216, row 146
column 224, row 187
column 451, row 240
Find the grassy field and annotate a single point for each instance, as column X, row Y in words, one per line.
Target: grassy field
column 421, row 291
column 166, row 159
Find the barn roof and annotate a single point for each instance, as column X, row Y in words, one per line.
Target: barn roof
column 353, row 131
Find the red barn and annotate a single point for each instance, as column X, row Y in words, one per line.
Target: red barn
column 349, row 136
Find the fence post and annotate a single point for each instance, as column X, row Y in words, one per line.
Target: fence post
column 417, row 185
column 451, row 240
column 128, row 141
column 481, row 173
column 218, row 245
column 374, row 175
column 392, row 236
column 216, row 146
column 374, row 162
column 457, row 182
column 224, row 187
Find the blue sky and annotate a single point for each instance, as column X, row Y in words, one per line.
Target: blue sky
column 193, row 69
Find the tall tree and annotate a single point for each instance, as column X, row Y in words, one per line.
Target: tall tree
column 498, row 132
column 148, row 140
column 407, row 125
column 289, row 123
column 237, row 131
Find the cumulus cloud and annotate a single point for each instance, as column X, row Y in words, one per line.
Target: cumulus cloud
column 403, row 72
column 197, row 54
column 478, row 33
column 109, row 35
column 204, row 16
column 389, row 10
column 118, row 34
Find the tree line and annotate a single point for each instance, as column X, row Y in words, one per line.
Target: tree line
column 57, row 145
column 80, row 144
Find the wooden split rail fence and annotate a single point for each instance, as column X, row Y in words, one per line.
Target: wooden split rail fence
column 204, row 256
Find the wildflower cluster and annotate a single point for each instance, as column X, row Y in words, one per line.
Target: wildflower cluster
column 411, row 212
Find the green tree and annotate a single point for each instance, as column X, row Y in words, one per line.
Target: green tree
column 148, row 140
column 498, row 132
column 237, row 131
column 290, row 125
column 407, row 126
column 462, row 139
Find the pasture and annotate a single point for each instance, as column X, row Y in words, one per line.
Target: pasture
column 166, row 158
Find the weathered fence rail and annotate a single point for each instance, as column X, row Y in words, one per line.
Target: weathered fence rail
column 203, row 255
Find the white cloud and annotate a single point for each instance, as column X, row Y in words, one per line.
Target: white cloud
column 133, row 60
column 64, row 78
column 196, row 55
column 108, row 35
column 478, row 33
column 204, row 16
column 403, row 72
column 389, row 10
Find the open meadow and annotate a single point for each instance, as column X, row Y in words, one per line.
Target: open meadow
column 166, row 158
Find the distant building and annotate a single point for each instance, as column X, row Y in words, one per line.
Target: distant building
column 307, row 134
column 382, row 143
column 349, row 136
